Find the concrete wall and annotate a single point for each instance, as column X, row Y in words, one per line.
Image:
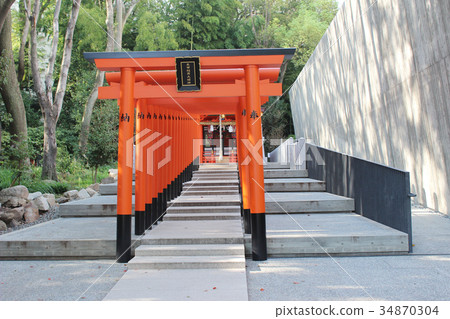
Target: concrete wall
column 377, row 87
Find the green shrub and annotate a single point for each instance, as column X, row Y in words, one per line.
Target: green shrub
column 48, row 186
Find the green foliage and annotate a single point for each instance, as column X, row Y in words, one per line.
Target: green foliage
column 154, row 34
column 204, row 24
column 103, row 136
column 308, row 26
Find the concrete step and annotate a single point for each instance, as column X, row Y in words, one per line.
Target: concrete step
column 211, row 188
column 307, row 202
column 190, row 192
column 64, row 238
column 294, row 185
column 203, row 209
column 189, row 250
column 186, row 262
column 285, row 173
column 207, row 200
column 211, row 183
column 215, row 172
column 217, row 166
column 110, row 189
column 221, row 184
column 97, row 206
column 214, row 177
column 195, row 233
column 339, row 234
column 202, row 216
column 276, row 166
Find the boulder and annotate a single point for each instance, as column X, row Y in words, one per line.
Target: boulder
column 62, row 200
column 18, row 191
column 91, row 192
column 41, row 203
column 71, row 195
column 3, row 226
column 6, row 217
column 17, row 212
column 31, row 213
column 15, row 202
column 32, row 196
column 50, row 199
column 83, row 194
column 95, row 187
column 108, row 180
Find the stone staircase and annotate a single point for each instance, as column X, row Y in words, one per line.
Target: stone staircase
column 201, row 228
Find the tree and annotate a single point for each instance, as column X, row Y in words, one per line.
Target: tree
column 154, row 34
column 103, row 141
column 51, row 105
column 5, row 6
column 10, row 90
column 123, row 11
column 204, row 24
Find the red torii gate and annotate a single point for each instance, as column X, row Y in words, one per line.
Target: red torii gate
column 147, row 86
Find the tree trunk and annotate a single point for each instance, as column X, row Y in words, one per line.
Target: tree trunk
column 88, row 108
column 23, row 42
column 119, row 26
column 50, row 148
column 5, row 5
column 9, row 87
column 52, row 108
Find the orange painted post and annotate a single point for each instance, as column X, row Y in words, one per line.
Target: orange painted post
column 151, row 163
column 241, row 125
column 163, row 165
column 139, row 187
column 125, row 165
column 156, row 157
column 149, row 187
column 256, row 168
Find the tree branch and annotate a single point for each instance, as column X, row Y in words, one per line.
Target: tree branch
column 65, row 63
column 34, row 61
column 5, row 6
column 129, row 11
column 53, row 52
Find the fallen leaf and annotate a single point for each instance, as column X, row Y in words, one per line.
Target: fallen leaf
column 125, row 270
column 49, row 279
column 83, row 298
column 214, row 288
column 262, row 289
column 31, row 266
column 296, row 283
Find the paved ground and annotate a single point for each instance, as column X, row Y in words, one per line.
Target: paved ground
column 423, row 275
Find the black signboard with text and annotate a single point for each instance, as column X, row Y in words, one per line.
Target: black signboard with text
column 188, row 74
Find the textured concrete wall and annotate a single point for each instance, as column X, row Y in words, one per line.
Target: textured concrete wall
column 377, row 87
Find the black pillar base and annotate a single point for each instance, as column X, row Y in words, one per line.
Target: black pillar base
column 154, row 211
column 259, row 242
column 148, row 216
column 139, row 222
column 123, row 243
column 160, row 206
column 165, row 196
column 247, row 222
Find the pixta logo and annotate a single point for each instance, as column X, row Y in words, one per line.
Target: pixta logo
column 145, row 145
